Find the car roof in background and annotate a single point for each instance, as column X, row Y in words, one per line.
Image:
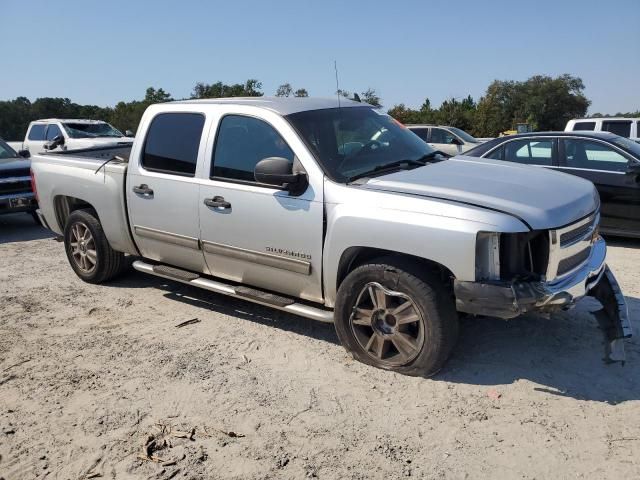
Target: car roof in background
column 576, row 133
column 632, row 119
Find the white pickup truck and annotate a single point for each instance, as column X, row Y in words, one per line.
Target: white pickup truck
column 70, row 134
column 333, row 211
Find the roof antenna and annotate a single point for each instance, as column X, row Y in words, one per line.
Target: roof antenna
column 335, row 66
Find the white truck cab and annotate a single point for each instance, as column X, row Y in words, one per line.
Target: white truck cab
column 71, row 134
column 625, row 127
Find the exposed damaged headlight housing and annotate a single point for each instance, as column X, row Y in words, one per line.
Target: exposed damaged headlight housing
column 507, row 256
column 488, row 256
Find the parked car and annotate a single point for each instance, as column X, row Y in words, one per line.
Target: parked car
column 16, row 193
column 625, row 127
column 449, row 140
column 611, row 162
column 72, row 134
column 258, row 199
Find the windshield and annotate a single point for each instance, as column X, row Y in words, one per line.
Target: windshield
column 6, row 151
column 464, row 135
column 629, row 145
column 349, row 142
column 91, row 130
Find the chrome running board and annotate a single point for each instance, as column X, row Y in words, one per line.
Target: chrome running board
column 255, row 296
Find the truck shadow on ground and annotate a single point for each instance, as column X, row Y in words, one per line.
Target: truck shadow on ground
column 21, row 227
column 562, row 354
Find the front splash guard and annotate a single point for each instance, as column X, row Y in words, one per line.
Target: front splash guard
column 613, row 317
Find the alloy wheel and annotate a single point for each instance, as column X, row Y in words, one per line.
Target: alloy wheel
column 83, row 247
column 388, row 325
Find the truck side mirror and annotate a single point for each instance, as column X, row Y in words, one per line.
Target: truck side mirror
column 24, row 153
column 456, row 141
column 56, row 142
column 278, row 171
column 129, row 133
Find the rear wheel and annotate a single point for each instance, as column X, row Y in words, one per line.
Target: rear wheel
column 88, row 249
column 391, row 315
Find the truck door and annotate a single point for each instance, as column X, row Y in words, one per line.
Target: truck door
column 254, row 233
column 445, row 141
column 162, row 192
column 608, row 169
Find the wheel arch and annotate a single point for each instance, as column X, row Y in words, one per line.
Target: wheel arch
column 64, row 205
column 354, row 257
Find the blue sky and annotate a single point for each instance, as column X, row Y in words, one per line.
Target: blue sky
column 103, row 52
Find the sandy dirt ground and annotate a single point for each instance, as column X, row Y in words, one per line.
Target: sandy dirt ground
column 90, row 376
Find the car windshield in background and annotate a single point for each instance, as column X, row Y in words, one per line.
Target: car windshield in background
column 6, row 151
column 629, row 145
column 91, row 130
column 349, row 142
column 464, row 135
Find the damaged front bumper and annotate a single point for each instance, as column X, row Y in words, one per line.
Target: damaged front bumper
column 510, row 299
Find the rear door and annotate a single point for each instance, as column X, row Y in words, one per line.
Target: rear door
column 606, row 167
column 254, row 233
column 162, row 191
column 36, row 138
column 536, row 151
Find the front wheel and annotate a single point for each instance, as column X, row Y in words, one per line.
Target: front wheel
column 88, row 249
column 392, row 315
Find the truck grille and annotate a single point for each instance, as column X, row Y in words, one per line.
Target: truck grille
column 15, row 172
column 571, row 246
column 15, row 187
column 572, row 262
column 576, row 234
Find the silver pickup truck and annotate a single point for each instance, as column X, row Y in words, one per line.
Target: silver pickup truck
column 332, row 210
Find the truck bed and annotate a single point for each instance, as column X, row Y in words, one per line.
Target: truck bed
column 96, row 177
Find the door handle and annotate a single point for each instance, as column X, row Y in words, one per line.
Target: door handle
column 217, row 202
column 143, row 190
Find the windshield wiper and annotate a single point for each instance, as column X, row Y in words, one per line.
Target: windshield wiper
column 389, row 167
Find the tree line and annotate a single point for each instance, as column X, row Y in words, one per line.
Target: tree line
column 544, row 102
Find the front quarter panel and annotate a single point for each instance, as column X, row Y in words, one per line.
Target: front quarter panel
column 437, row 230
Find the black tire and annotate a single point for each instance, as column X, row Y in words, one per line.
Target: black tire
column 108, row 262
column 431, row 302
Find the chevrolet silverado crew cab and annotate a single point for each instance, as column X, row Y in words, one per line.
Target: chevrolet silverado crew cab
column 333, row 211
column 70, row 134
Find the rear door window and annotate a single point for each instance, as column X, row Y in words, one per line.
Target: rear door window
column 172, row 143
column 590, row 126
column 530, row 151
column 619, row 127
column 52, row 132
column 590, row 155
column 36, row 132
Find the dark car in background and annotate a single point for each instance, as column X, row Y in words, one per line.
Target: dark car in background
column 611, row 162
column 16, row 193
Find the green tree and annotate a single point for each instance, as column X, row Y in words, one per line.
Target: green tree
column 301, row 92
column 284, row 90
column 251, row 88
column 371, row 97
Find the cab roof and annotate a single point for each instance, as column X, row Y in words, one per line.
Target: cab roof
column 281, row 105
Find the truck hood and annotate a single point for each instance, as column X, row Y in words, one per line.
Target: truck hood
column 13, row 164
column 539, row 197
